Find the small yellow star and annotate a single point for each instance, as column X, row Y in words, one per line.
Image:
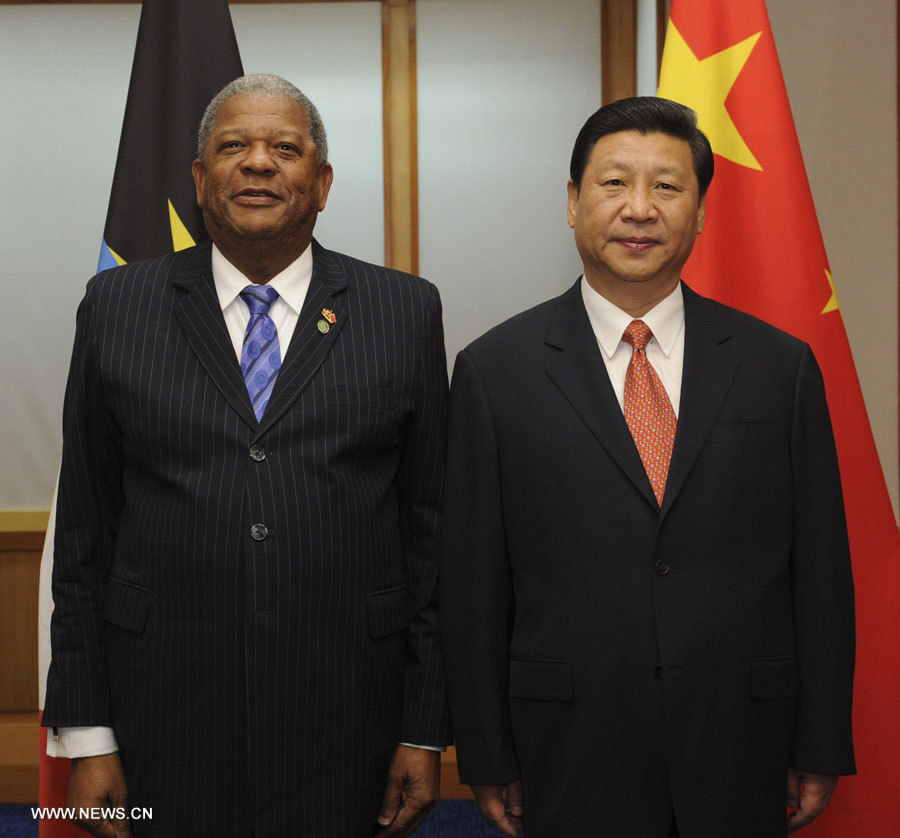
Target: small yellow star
column 832, row 304
column 704, row 86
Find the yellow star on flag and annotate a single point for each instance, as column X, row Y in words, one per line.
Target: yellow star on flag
column 181, row 238
column 832, row 304
column 704, row 86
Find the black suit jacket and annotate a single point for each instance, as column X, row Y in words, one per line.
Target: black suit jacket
column 629, row 661
column 251, row 606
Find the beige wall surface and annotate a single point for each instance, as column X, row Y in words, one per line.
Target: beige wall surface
column 839, row 62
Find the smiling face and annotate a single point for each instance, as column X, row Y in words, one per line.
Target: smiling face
column 636, row 216
column 259, row 184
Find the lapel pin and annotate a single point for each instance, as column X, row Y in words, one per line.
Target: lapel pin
column 329, row 315
column 323, row 326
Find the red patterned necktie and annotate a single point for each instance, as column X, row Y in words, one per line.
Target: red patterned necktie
column 648, row 411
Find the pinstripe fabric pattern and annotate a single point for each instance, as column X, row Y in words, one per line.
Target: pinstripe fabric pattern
column 252, row 606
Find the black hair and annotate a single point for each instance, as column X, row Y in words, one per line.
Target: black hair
column 646, row 115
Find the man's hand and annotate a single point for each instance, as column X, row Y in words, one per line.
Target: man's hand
column 415, row 778
column 808, row 794
column 99, row 783
column 506, row 814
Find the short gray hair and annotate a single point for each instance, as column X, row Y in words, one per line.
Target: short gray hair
column 264, row 84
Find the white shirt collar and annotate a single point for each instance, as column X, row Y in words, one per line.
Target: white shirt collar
column 665, row 319
column 291, row 284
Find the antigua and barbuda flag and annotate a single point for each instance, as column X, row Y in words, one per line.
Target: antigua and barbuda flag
column 762, row 251
column 185, row 53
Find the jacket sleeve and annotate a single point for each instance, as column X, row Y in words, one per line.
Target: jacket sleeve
column 88, row 508
column 822, row 586
column 421, row 481
column 476, row 587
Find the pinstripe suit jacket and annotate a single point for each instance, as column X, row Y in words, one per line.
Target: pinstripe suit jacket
column 251, row 605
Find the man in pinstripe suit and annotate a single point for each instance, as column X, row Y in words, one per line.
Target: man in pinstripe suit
column 245, row 624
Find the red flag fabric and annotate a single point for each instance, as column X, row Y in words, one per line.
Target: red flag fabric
column 761, row 251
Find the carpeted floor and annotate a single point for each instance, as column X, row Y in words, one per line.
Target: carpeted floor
column 450, row 819
column 16, row 821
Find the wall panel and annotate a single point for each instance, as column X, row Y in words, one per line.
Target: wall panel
column 504, row 88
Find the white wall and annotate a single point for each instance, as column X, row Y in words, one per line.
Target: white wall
column 504, row 87
column 65, row 75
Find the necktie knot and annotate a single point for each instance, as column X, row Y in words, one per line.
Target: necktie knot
column 638, row 334
column 259, row 298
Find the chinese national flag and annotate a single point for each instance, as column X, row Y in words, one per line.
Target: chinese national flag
column 761, row 251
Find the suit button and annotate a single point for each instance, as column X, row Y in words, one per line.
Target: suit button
column 662, row 568
column 257, row 453
column 658, row 670
column 258, row 532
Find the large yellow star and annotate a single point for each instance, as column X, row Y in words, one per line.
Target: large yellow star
column 704, row 86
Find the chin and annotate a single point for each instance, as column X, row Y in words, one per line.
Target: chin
column 255, row 233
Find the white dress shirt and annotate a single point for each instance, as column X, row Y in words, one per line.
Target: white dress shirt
column 665, row 350
column 291, row 284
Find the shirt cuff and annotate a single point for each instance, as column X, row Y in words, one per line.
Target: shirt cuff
column 438, row 748
column 74, row 742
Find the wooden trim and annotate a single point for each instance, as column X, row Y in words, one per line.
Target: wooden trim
column 20, row 520
column 17, row 541
column 22, row 530
column 20, row 570
column 663, row 11
column 451, row 787
column 20, row 736
column 618, row 49
column 399, row 103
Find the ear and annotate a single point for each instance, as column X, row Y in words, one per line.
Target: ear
column 198, row 170
column 701, row 214
column 572, row 204
column 324, row 178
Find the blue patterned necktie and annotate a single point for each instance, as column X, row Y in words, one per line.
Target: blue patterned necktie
column 261, row 355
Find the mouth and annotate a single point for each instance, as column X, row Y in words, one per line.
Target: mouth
column 256, row 196
column 636, row 244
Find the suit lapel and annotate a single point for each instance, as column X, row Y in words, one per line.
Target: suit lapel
column 576, row 367
column 311, row 342
column 707, row 374
column 200, row 316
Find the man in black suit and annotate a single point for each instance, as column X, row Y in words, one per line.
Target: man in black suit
column 245, row 570
column 646, row 594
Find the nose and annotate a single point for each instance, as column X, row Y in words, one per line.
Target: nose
column 258, row 159
column 639, row 206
